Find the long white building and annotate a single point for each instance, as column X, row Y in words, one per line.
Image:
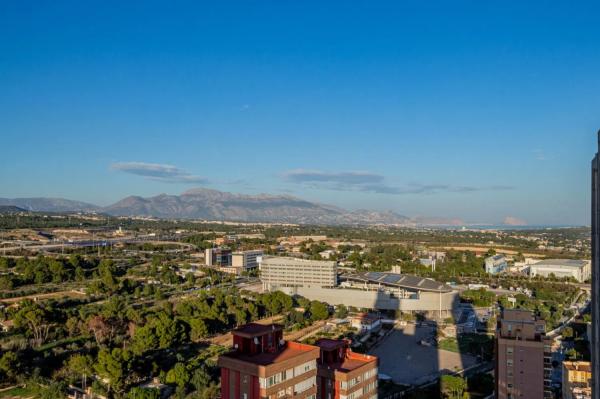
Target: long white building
column 580, row 270
column 317, row 280
column 277, row 272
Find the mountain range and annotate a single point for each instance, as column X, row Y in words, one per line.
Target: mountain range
column 207, row 204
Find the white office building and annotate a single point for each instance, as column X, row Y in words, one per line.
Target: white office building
column 246, row 260
column 580, row 270
column 277, row 272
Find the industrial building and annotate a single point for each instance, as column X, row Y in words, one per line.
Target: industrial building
column 280, row 272
column 523, row 356
column 580, row 270
column 495, row 264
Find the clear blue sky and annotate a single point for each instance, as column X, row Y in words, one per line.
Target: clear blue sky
column 478, row 110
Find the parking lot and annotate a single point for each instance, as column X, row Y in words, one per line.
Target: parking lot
column 407, row 362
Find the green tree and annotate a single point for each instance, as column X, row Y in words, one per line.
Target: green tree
column 178, row 375
column 81, row 366
column 35, row 319
column 143, row 393
column 114, row 365
column 453, row 387
column 341, row 311
column 9, row 365
column 198, row 329
column 318, row 311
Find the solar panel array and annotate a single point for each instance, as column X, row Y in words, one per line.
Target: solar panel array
column 401, row 280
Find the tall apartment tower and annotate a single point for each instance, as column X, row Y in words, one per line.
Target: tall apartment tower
column 523, row 357
column 343, row 373
column 594, row 345
column 263, row 366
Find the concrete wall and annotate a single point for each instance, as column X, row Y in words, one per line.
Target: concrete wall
column 428, row 301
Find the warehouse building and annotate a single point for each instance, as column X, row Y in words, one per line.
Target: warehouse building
column 580, row 270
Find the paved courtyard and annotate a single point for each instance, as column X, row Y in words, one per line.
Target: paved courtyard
column 402, row 358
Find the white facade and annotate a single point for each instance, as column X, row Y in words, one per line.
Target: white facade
column 495, row 264
column 278, row 272
column 246, row 260
column 580, row 270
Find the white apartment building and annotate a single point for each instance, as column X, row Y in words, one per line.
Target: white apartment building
column 278, row 272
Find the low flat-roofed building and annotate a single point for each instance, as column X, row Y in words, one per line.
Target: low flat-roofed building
column 579, row 269
column 576, row 378
column 365, row 322
column 344, row 374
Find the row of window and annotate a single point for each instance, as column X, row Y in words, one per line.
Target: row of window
column 305, row 385
column 366, row 389
column 287, row 374
column 357, row 380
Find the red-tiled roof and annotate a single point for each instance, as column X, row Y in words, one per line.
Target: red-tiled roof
column 289, row 351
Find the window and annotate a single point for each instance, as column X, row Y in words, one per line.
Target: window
column 304, row 385
column 509, row 350
column 509, row 362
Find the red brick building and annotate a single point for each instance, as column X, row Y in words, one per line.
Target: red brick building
column 263, row 366
column 343, row 374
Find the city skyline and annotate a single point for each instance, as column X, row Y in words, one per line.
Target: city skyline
column 473, row 111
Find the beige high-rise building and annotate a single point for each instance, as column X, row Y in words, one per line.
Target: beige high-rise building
column 523, row 356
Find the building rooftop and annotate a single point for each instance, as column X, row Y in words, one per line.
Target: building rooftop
column 578, row 366
column 575, row 263
column 252, row 330
column 400, row 280
column 350, row 361
column 330, row 344
column 288, row 351
column 295, row 261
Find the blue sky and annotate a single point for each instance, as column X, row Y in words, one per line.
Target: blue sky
column 469, row 109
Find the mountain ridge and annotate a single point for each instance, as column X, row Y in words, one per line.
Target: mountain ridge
column 209, row 204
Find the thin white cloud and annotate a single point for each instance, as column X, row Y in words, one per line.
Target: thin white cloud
column 374, row 183
column 159, row 172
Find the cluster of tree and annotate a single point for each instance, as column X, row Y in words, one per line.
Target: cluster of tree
column 479, row 298
column 42, row 269
column 307, row 313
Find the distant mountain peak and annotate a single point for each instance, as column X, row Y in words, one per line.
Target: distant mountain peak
column 209, row 204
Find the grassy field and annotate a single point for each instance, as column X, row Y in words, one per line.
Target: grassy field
column 475, row 344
